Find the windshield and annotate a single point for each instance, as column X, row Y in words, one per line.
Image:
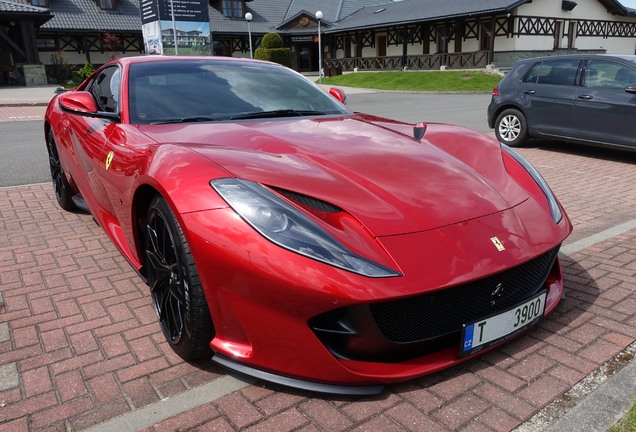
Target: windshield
column 209, row 90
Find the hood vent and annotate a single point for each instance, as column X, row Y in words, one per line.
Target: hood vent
column 310, row 202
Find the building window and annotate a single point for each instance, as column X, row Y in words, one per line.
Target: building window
column 233, row 8
column 46, row 43
column 41, row 3
column 107, row 4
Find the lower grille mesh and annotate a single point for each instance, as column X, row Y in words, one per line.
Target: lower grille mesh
column 443, row 312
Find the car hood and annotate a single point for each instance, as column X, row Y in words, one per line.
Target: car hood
column 371, row 168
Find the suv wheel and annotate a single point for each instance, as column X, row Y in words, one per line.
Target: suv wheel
column 511, row 127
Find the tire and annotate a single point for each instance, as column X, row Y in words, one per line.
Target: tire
column 63, row 191
column 511, row 127
column 175, row 287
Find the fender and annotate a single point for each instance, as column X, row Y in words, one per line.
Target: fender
column 182, row 177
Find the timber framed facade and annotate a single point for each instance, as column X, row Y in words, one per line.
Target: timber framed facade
column 356, row 34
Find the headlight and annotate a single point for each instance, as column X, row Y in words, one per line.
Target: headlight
column 284, row 225
column 555, row 210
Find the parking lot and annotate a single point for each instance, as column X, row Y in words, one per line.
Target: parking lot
column 80, row 347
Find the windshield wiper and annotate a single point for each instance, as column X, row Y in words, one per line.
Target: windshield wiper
column 188, row 120
column 277, row 113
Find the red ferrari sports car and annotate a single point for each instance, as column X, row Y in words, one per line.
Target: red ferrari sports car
column 296, row 241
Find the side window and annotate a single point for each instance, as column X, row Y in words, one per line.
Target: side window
column 604, row 74
column 105, row 89
column 532, row 74
column 558, row 72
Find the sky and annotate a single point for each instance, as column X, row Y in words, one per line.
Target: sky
column 628, row 3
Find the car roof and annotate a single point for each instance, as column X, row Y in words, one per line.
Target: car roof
column 627, row 57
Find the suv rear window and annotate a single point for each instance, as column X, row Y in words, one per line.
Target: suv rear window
column 555, row 72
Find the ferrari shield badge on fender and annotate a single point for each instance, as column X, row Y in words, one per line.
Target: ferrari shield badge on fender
column 109, row 159
column 500, row 247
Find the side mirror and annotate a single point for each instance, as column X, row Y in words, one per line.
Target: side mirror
column 338, row 94
column 82, row 103
column 78, row 102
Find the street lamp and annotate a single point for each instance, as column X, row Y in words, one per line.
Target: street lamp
column 248, row 17
column 319, row 17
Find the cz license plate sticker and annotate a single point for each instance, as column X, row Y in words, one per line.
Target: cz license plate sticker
column 497, row 328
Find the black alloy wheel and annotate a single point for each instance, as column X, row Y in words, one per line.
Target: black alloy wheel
column 63, row 191
column 176, row 290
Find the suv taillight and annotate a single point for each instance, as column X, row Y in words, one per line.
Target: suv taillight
column 495, row 91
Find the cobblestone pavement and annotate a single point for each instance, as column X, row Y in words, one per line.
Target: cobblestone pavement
column 80, row 346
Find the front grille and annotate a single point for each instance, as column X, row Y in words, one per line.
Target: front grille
column 443, row 312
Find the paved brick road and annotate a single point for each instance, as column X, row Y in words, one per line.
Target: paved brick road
column 79, row 344
column 21, row 113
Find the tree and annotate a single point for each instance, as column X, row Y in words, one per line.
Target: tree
column 112, row 43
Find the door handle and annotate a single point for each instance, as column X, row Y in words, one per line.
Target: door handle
column 585, row 97
column 529, row 92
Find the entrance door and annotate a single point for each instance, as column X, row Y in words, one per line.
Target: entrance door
column 381, row 46
column 303, row 59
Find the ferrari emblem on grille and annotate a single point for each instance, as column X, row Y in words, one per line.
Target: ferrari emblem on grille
column 498, row 292
column 500, row 247
column 109, row 159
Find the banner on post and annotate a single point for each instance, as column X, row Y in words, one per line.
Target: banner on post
column 191, row 26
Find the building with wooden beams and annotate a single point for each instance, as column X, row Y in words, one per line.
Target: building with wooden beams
column 356, row 34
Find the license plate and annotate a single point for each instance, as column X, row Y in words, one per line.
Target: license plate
column 497, row 328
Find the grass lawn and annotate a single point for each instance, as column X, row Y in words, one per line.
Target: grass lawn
column 628, row 423
column 418, row 81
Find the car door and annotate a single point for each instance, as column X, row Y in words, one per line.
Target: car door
column 548, row 93
column 88, row 136
column 604, row 111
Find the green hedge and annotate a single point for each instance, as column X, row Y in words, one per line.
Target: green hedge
column 276, row 55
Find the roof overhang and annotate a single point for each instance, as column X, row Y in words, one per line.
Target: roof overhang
column 20, row 11
column 615, row 8
column 342, row 26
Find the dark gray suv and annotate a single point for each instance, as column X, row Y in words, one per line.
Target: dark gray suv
column 588, row 99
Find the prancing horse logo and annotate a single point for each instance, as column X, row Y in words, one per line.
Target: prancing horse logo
column 496, row 294
column 109, row 159
column 499, row 245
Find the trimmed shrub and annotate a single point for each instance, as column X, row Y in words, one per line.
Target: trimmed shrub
column 272, row 40
column 271, row 49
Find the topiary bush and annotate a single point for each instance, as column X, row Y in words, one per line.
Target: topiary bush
column 272, row 40
column 271, row 49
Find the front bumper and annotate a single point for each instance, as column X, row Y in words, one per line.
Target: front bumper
column 401, row 330
column 278, row 314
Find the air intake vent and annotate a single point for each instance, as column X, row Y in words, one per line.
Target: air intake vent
column 310, row 202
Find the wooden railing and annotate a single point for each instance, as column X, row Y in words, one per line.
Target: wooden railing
column 464, row 60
